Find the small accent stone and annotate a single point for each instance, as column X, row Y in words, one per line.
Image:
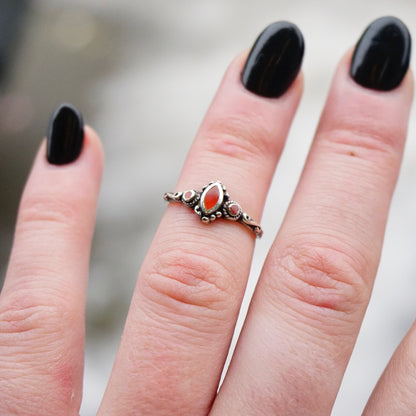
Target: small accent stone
column 188, row 196
column 234, row 209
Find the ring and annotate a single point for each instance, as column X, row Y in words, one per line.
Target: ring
column 214, row 202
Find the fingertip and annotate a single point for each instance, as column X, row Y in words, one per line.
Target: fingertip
column 274, row 60
column 92, row 136
column 92, row 152
column 343, row 75
column 78, row 180
column 382, row 54
column 234, row 75
column 93, row 145
column 408, row 82
column 297, row 85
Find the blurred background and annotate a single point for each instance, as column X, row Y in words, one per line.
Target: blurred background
column 143, row 73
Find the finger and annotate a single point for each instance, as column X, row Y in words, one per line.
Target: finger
column 43, row 299
column 395, row 391
column 191, row 283
column 316, row 282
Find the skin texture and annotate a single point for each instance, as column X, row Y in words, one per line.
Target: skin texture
column 394, row 393
column 311, row 297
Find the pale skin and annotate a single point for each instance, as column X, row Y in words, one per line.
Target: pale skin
column 308, row 305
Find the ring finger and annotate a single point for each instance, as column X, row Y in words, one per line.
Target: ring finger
column 190, row 287
column 316, row 283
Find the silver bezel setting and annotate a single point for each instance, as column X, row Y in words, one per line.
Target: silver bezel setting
column 196, row 201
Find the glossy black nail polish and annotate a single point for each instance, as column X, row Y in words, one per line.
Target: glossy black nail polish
column 65, row 135
column 274, row 60
column 381, row 57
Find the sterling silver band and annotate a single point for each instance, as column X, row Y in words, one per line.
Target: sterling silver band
column 214, row 202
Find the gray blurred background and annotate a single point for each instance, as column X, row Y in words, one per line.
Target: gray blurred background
column 143, row 74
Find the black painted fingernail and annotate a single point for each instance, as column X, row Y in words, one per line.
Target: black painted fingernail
column 65, row 135
column 274, row 60
column 381, row 57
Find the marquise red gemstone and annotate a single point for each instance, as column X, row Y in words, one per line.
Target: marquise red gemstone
column 212, row 198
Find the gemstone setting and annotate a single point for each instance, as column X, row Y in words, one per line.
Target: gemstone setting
column 233, row 210
column 188, row 196
column 213, row 202
column 212, row 198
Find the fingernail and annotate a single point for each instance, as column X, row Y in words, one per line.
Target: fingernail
column 381, row 57
column 274, row 60
column 65, row 135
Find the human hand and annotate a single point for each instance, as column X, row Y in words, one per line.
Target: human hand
column 315, row 284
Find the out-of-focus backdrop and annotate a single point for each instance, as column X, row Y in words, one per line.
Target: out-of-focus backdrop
column 143, row 73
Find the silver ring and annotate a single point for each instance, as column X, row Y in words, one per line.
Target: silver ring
column 214, row 202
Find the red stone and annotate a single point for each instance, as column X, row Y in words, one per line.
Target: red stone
column 212, row 197
column 188, row 195
column 234, row 209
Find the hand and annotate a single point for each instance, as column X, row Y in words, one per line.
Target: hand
column 316, row 282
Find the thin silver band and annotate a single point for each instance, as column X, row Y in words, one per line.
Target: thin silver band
column 214, row 202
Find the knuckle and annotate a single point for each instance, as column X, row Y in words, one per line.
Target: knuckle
column 242, row 136
column 365, row 140
column 24, row 319
column 188, row 284
column 317, row 280
column 39, row 210
column 17, row 320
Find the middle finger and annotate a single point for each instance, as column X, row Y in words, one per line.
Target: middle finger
column 190, row 287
